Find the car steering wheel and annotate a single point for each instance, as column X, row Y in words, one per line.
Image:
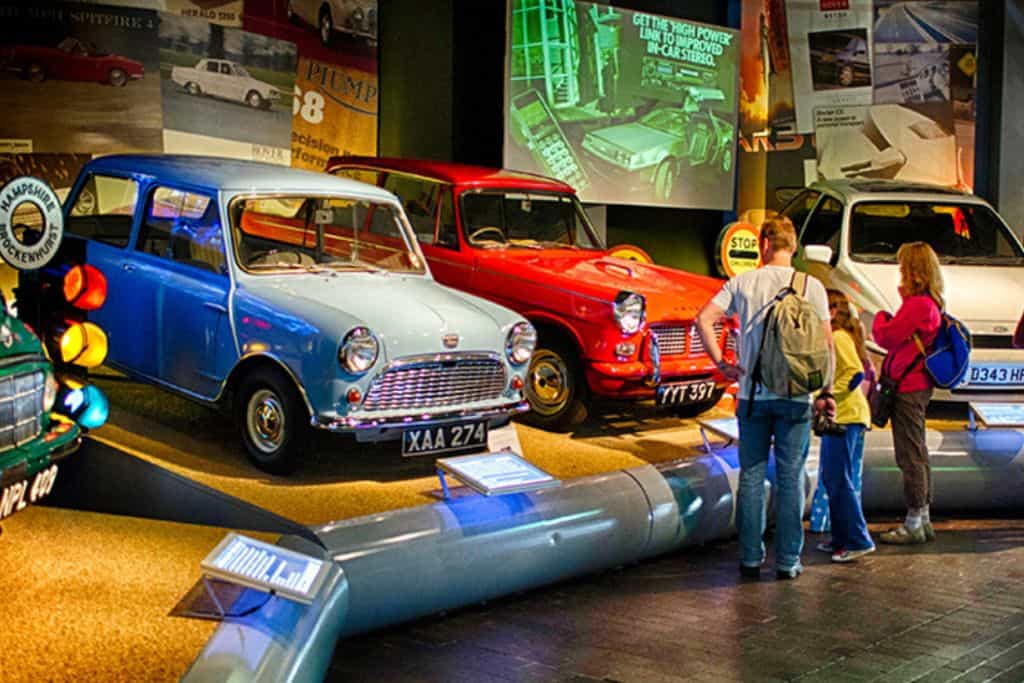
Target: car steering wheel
column 280, row 257
column 473, row 236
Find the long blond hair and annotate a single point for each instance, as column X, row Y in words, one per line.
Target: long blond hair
column 920, row 272
column 844, row 319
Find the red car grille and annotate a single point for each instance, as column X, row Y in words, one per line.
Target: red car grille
column 683, row 340
column 437, row 383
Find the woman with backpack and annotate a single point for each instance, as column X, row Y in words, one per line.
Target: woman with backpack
column 842, row 447
column 903, row 335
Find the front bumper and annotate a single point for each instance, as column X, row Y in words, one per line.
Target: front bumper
column 638, row 380
column 370, row 427
column 610, row 171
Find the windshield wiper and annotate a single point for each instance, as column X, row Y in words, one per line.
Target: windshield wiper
column 360, row 266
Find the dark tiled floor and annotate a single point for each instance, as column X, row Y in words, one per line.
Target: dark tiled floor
column 948, row 611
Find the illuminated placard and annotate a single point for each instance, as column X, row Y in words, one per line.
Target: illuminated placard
column 726, row 427
column 999, row 414
column 266, row 567
column 493, row 474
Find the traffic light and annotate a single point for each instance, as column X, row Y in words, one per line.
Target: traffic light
column 55, row 301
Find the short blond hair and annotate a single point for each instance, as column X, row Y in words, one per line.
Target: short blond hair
column 779, row 233
column 919, row 271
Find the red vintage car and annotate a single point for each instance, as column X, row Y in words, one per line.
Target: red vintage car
column 71, row 60
column 608, row 327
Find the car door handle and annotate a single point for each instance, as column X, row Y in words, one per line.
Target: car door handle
column 127, row 267
column 215, row 307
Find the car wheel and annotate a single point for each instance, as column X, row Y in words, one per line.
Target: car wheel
column 117, row 77
column 326, row 25
column 726, row 162
column 254, row 100
column 273, row 421
column 665, row 180
column 695, row 409
column 555, row 388
column 845, row 76
column 35, row 72
column 193, row 88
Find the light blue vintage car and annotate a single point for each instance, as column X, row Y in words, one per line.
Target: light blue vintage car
column 295, row 299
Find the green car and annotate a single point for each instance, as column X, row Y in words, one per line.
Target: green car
column 32, row 439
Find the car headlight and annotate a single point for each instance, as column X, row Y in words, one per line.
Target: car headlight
column 49, row 392
column 629, row 310
column 358, row 351
column 522, row 340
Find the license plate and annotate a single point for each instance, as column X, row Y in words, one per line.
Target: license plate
column 684, row 393
column 995, row 375
column 23, row 493
column 444, row 438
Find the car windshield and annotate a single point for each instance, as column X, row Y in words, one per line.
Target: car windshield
column 289, row 233
column 665, row 120
column 495, row 220
column 959, row 233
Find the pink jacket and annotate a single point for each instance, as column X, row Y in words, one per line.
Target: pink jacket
column 894, row 333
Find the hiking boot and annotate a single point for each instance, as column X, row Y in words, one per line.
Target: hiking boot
column 929, row 532
column 851, row 555
column 901, row 535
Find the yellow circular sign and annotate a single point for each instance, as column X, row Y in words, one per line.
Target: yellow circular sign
column 631, row 252
column 738, row 249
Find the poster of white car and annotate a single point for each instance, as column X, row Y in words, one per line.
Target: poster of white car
column 226, row 80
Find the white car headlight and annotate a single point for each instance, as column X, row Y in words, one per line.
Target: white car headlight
column 522, row 340
column 49, row 392
column 630, row 309
column 358, row 351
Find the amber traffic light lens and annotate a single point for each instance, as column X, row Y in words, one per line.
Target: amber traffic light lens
column 83, row 344
column 85, row 287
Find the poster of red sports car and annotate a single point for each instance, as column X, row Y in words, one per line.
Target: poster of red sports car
column 79, row 78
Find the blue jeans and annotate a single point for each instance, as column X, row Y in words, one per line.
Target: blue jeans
column 841, row 457
column 820, row 518
column 789, row 423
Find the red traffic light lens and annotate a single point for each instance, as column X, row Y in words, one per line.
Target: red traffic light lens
column 85, row 287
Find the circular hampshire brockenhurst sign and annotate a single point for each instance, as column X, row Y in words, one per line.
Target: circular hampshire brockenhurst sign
column 29, row 253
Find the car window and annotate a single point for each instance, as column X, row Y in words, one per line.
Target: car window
column 361, row 175
column 104, row 209
column 212, row 66
column 225, row 68
column 419, row 198
column 959, row 233
column 447, row 232
column 799, row 206
column 825, row 224
column 518, row 219
column 183, row 227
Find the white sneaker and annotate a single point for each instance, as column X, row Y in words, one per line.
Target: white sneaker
column 851, row 555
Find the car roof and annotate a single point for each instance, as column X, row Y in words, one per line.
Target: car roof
column 232, row 175
column 464, row 175
column 876, row 188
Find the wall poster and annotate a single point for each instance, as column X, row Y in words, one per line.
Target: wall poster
column 334, row 97
column 225, row 12
column 79, row 78
column 627, row 107
column 830, row 47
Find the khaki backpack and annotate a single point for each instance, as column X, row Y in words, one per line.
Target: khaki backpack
column 794, row 357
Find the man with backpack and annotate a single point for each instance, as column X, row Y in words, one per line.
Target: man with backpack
column 785, row 355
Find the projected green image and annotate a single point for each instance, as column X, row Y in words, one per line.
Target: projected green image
column 628, row 107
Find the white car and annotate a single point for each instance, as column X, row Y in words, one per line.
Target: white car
column 226, row 80
column 850, row 231
column 355, row 17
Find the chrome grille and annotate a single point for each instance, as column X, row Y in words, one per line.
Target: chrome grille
column 672, row 339
column 436, row 382
column 21, row 405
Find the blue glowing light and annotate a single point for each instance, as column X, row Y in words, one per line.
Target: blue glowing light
column 87, row 406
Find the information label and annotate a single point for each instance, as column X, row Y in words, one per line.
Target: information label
column 494, row 474
column 999, row 414
column 727, row 427
column 263, row 566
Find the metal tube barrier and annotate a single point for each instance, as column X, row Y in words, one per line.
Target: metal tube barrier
column 403, row 564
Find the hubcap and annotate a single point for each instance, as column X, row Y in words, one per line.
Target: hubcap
column 254, row 100
column 548, row 386
column 264, row 419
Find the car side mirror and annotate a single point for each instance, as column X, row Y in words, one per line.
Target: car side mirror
column 818, row 253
